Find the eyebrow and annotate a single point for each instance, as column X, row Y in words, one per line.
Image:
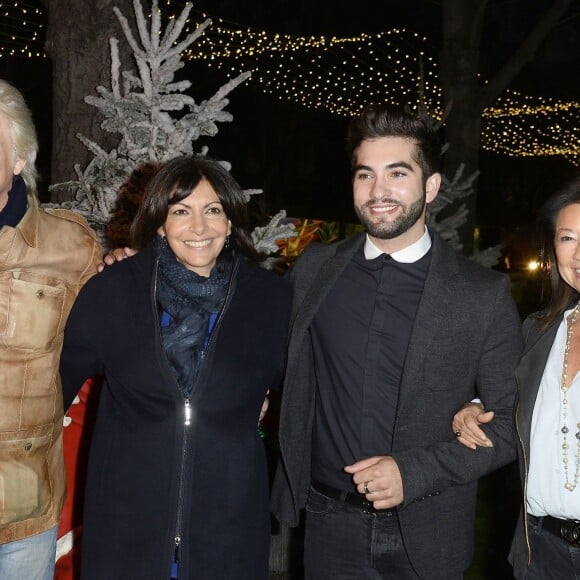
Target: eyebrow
column 182, row 203
column 394, row 165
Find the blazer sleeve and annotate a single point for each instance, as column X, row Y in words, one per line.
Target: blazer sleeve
column 305, row 270
column 431, row 469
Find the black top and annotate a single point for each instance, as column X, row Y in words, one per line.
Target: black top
column 16, row 205
column 360, row 336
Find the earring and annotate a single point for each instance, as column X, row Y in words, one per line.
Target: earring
column 227, row 242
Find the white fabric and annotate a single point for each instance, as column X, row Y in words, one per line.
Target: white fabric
column 546, row 494
column 407, row 255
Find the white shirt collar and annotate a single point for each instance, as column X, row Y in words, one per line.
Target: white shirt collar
column 408, row 255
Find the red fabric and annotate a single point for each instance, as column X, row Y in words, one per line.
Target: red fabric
column 76, row 439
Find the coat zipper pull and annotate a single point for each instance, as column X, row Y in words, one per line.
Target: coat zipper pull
column 187, row 413
column 176, row 553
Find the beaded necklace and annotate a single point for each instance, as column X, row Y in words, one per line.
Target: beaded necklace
column 564, row 388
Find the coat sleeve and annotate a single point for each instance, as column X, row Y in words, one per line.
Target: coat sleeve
column 429, row 470
column 80, row 359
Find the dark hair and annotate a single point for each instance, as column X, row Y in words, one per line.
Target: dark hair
column 377, row 121
column 562, row 295
column 174, row 181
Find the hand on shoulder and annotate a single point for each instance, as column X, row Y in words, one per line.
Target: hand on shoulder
column 116, row 255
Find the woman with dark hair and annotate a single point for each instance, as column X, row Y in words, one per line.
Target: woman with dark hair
column 189, row 336
column 546, row 543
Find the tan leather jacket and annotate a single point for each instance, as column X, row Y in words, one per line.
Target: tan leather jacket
column 44, row 261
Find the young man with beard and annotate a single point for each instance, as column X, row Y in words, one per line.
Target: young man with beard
column 392, row 332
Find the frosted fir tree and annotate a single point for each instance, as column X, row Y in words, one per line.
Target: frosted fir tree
column 451, row 191
column 448, row 227
column 155, row 120
column 265, row 238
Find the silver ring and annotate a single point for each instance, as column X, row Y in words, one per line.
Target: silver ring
column 457, row 433
column 366, row 487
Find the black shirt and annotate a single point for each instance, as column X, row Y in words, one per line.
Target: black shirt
column 360, row 336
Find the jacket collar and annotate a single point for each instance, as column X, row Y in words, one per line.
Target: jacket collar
column 28, row 226
column 529, row 376
column 436, row 294
column 531, row 367
column 443, row 267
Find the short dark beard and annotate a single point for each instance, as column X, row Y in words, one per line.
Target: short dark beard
column 389, row 230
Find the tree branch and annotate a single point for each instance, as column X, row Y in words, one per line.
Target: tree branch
column 524, row 54
column 477, row 25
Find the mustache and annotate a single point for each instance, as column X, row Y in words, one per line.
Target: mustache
column 387, row 200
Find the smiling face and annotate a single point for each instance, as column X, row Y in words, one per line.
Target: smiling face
column 567, row 244
column 196, row 228
column 389, row 194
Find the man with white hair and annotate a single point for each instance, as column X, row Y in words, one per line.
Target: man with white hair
column 46, row 255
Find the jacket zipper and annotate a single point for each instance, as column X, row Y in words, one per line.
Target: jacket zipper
column 186, row 426
column 176, row 536
column 187, row 413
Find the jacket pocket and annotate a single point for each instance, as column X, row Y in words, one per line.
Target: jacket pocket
column 35, row 310
column 24, row 478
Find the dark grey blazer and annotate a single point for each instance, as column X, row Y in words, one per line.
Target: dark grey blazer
column 466, row 340
column 538, row 344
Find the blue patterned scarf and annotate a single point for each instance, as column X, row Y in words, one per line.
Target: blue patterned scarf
column 190, row 300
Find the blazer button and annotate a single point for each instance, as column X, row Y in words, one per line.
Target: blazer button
column 40, row 294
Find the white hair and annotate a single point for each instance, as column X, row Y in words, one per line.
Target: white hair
column 22, row 131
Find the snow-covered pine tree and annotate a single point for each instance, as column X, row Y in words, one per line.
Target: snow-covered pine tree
column 156, row 120
column 439, row 218
column 448, row 227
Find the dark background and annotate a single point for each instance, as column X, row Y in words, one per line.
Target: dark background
column 297, row 155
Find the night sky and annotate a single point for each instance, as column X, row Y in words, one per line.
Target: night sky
column 515, row 185
column 297, row 155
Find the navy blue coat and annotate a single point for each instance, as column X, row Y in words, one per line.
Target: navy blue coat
column 151, row 477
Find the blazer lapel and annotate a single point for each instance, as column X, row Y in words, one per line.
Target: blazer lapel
column 433, row 306
column 329, row 271
column 529, row 375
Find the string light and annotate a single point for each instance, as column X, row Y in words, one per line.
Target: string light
column 335, row 74
column 23, row 29
column 342, row 74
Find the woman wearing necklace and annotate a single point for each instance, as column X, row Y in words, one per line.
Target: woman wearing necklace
column 546, row 543
column 189, row 336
